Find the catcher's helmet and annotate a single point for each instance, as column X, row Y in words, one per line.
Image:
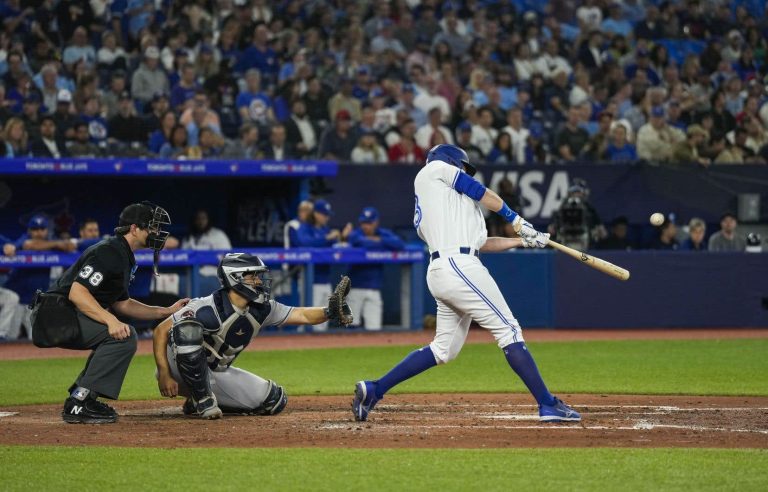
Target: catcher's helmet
column 453, row 155
column 233, row 269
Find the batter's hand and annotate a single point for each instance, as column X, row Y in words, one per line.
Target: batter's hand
column 540, row 241
column 167, row 385
column 118, row 330
column 523, row 228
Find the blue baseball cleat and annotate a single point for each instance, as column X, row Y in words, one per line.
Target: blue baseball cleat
column 365, row 400
column 559, row 412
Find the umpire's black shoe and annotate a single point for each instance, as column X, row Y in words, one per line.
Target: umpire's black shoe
column 88, row 411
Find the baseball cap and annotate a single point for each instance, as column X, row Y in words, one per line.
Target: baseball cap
column 343, row 114
column 323, row 207
column 206, row 48
column 125, row 95
column 181, row 52
column 152, row 52
column 464, row 126
column 369, row 214
column 657, row 111
column 136, row 213
column 408, row 88
column 64, row 96
column 38, row 221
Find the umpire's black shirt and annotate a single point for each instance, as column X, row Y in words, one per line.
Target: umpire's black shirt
column 105, row 269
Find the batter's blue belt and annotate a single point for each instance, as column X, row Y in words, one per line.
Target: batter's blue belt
column 464, row 250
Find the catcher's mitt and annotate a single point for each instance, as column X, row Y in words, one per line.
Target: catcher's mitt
column 338, row 311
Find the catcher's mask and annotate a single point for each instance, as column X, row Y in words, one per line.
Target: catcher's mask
column 247, row 275
column 150, row 217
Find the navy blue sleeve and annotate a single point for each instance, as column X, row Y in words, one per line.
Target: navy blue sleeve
column 469, row 186
column 390, row 239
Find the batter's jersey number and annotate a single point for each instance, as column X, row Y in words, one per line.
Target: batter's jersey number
column 94, row 278
column 417, row 213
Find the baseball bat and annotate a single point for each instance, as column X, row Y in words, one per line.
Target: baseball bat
column 592, row 261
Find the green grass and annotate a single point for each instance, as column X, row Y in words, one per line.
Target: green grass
column 704, row 367
column 49, row 468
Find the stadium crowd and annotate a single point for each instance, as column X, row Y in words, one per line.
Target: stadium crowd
column 513, row 82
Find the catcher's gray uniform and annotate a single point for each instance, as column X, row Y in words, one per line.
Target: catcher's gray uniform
column 227, row 331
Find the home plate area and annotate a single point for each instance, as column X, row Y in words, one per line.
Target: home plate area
column 405, row 421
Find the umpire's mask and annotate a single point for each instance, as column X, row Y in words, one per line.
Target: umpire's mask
column 148, row 216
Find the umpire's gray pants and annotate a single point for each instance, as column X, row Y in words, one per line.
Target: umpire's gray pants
column 9, row 320
column 105, row 369
column 234, row 388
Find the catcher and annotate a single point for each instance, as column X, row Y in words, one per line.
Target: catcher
column 195, row 347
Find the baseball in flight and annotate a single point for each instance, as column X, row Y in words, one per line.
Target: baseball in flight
column 657, row 219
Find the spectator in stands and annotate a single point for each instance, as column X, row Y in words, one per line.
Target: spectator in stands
column 386, row 40
column 368, row 150
column 291, row 228
column 695, row 240
column 81, row 144
column 278, row 148
column 49, row 87
column 149, row 79
column 80, row 49
column 502, row 151
column 31, row 115
column 209, row 145
column 176, row 146
column 667, row 237
column 656, row 139
column 48, row 144
column 253, row 104
column 619, row 149
column 185, row 89
column 203, row 236
column 406, row 102
column 97, row 126
column 111, row 56
column 688, row 151
column 617, row 236
column 25, row 281
column 319, row 235
column 406, row 150
column 464, row 140
column 597, row 146
column 200, row 119
column 550, row 61
column 126, row 127
column 16, row 138
column 315, row 101
column 518, row 133
column 740, row 147
column 483, row 133
column 424, row 133
column 727, row 239
column 365, row 296
column 338, row 141
column 246, row 146
column 260, row 56
column 344, row 100
column 723, row 120
column 111, row 97
column 301, row 130
column 429, row 98
column 162, row 135
column 572, row 138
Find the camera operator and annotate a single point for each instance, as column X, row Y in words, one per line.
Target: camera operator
column 576, row 223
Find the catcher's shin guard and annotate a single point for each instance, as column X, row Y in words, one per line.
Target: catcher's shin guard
column 187, row 339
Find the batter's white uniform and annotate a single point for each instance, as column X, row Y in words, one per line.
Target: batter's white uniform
column 449, row 221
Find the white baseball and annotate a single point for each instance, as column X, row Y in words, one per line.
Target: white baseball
column 657, row 219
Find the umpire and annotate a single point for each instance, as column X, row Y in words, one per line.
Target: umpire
column 81, row 311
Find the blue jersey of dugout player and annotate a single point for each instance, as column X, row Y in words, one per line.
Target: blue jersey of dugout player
column 26, row 281
column 449, row 219
column 368, row 235
column 318, row 235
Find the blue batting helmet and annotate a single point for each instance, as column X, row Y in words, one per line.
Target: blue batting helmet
column 453, row 155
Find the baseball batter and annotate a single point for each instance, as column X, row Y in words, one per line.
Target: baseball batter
column 195, row 348
column 449, row 219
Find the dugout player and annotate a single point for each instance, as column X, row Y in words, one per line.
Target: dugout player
column 81, row 310
column 195, row 348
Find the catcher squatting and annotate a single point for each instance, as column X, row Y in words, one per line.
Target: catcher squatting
column 195, row 347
